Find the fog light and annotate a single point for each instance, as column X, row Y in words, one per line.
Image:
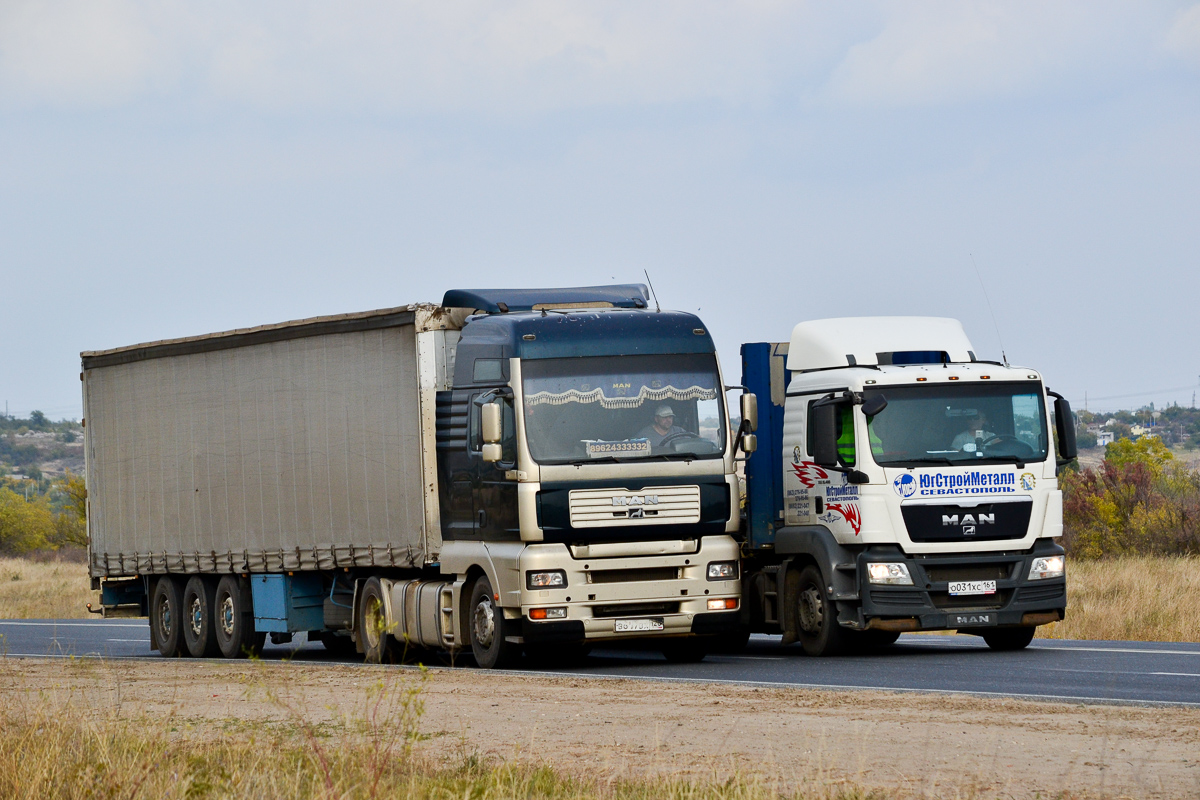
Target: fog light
column 555, row 579
column 1047, row 567
column 722, row 605
column 895, row 574
column 547, row 613
column 722, row 571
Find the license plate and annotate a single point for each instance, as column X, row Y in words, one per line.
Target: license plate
column 630, row 625
column 972, row 587
column 968, row 620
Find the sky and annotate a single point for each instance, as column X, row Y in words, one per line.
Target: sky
column 1033, row 169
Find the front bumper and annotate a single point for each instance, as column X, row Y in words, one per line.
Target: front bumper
column 928, row 605
column 600, row 592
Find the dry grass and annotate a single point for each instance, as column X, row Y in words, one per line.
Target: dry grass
column 1133, row 598
column 35, row 589
column 57, row 745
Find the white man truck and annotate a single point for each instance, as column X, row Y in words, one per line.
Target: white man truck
column 482, row 475
column 900, row 484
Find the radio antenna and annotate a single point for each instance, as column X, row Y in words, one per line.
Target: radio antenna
column 996, row 325
column 653, row 293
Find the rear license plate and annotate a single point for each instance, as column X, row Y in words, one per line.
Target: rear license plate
column 630, row 625
column 968, row 620
column 972, row 587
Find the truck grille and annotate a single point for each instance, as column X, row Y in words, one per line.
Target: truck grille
column 654, row 505
column 979, row 572
column 1034, row 594
column 648, row 574
column 635, row 609
column 964, row 601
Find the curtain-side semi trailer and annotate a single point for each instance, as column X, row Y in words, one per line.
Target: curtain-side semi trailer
column 900, row 485
column 511, row 470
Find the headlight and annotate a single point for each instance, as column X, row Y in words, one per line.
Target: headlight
column 553, row 579
column 722, row 571
column 894, row 574
column 1047, row 567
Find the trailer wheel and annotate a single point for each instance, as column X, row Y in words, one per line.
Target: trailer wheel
column 489, row 629
column 166, row 616
column 200, row 623
column 816, row 615
column 235, row 620
column 1009, row 638
column 377, row 643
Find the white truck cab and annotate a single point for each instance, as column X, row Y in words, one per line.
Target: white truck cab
column 914, row 487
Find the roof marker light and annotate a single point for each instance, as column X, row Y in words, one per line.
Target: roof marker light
column 922, row 379
column 985, row 377
column 953, row 377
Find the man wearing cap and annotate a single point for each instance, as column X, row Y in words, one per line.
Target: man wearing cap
column 664, row 426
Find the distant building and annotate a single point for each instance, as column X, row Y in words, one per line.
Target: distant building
column 1105, row 438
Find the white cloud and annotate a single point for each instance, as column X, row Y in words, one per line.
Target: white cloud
column 1184, row 37
column 947, row 51
column 528, row 55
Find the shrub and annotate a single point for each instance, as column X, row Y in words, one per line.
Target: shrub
column 1139, row 501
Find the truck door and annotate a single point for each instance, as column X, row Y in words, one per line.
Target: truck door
column 494, row 495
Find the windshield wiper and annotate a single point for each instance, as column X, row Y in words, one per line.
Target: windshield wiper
column 939, row 460
column 598, row 460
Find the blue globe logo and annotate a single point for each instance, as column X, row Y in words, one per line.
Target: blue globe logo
column 905, row 485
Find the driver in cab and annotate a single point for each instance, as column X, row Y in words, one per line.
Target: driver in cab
column 976, row 433
column 663, row 427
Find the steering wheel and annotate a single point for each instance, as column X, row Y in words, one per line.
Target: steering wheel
column 671, row 438
column 1000, row 437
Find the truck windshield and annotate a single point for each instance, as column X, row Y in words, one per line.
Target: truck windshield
column 956, row 423
column 623, row 408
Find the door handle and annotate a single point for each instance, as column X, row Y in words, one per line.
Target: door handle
column 483, row 517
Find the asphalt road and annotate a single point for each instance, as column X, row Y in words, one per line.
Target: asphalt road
column 1141, row 673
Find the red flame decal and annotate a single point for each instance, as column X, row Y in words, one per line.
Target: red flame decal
column 850, row 512
column 809, row 473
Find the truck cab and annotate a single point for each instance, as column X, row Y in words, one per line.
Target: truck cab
column 585, row 472
column 905, row 486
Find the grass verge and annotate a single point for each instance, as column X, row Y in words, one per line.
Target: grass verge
column 44, row 589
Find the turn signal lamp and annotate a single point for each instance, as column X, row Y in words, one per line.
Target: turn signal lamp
column 547, row 613
column 895, row 574
column 722, row 605
column 1047, row 567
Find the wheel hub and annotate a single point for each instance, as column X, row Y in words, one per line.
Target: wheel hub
column 164, row 619
column 812, row 613
column 197, row 616
column 485, row 622
column 227, row 616
column 374, row 622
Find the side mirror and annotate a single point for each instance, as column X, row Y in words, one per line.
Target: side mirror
column 492, row 452
column 749, row 412
column 1064, row 426
column 823, row 422
column 749, row 443
column 491, row 425
column 874, row 404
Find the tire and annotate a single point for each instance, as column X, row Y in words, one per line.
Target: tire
column 378, row 646
column 233, row 612
column 686, row 651
column 338, row 645
column 166, row 616
column 488, row 628
column 1009, row 638
column 816, row 615
column 200, row 618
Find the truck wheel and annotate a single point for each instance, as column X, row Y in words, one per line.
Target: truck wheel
column 816, row 615
column 488, row 628
column 1009, row 638
column 166, row 616
column 235, row 620
column 686, row 651
column 377, row 643
column 199, row 622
